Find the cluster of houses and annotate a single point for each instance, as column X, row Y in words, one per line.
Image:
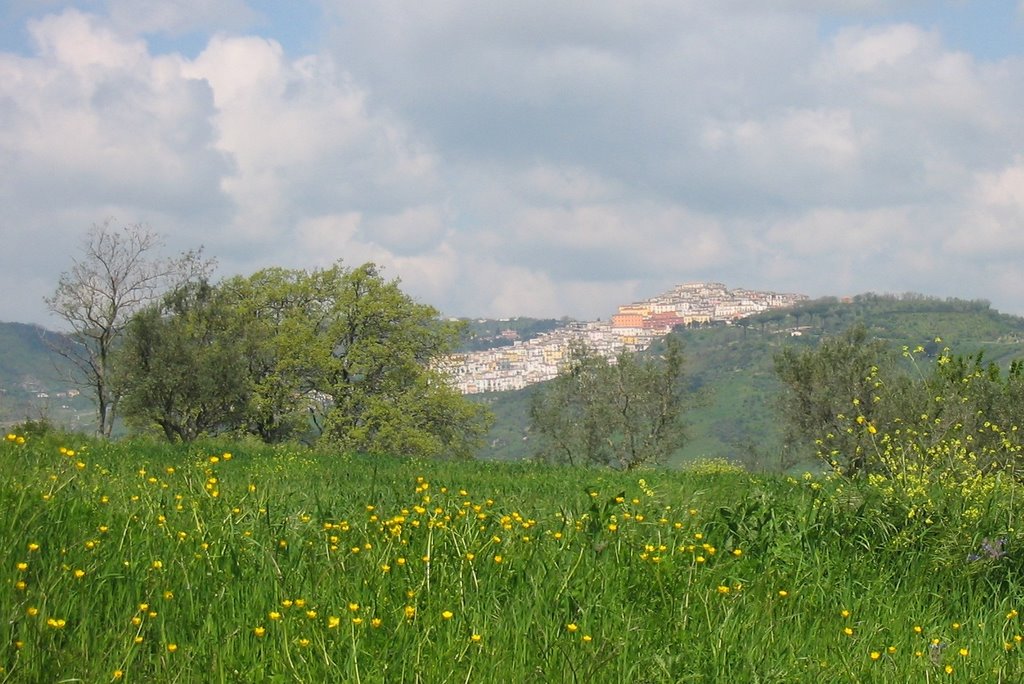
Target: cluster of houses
column 632, row 328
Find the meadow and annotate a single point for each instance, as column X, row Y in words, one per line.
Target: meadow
column 232, row 562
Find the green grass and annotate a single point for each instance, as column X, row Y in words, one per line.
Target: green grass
column 276, row 565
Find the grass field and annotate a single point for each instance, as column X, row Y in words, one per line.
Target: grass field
column 226, row 562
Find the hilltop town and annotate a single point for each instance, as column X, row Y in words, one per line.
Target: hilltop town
column 632, row 328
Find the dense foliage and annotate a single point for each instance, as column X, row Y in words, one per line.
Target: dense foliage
column 824, row 384
column 338, row 354
column 181, row 366
column 862, row 412
column 730, row 367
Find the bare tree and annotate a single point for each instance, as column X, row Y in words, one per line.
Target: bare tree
column 117, row 274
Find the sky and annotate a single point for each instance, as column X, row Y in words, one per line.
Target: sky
column 530, row 158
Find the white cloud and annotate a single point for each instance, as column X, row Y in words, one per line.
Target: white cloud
column 235, row 149
column 906, row 71
column 869, row 51
column 821, row 234
column 82, row 43
column 992, row 224
column 327, row 235
column 300, row 131
column 529, row 157
column 1005, row 188
column 408, row 232
column 93, row 122
column 430, row 273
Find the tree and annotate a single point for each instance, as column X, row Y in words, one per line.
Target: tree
column 116, row 276
column 282, row 312
column 625, row 412
column 650, row 397
column 281, row 354
column 182, row 366
column 966, row 400
column 377, row 356
column 826, row 384
column 569, row 415
column 861, row 412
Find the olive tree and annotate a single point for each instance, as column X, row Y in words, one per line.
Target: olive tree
column 377, row 356
column 624, row 411
column 823, row 386
column 182, row 367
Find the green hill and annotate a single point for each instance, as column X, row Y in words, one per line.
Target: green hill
column 732, row 368
column 32, row 379
column 26, row 360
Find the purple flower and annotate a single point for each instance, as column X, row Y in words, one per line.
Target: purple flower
column 989, row 549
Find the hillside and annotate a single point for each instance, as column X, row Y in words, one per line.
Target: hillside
column 32, row 381
column 733, row 383
column 489, row 333
column 731, row 368
column 904, row 319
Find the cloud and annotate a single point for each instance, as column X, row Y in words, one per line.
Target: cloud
column 316, row 175
column 992, row 224
column 409, row 232
column 179, row 16
column 234, row 149
column 527, row 158
column 92, row 124
column 596, row 84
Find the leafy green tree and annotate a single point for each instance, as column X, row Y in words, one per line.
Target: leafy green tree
column 339, row 352
column 975, row 403
column 570, row 414
column 626, row 412
column 848, row 401
column 377, row 355
column 279, row 313
column 181, row 368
